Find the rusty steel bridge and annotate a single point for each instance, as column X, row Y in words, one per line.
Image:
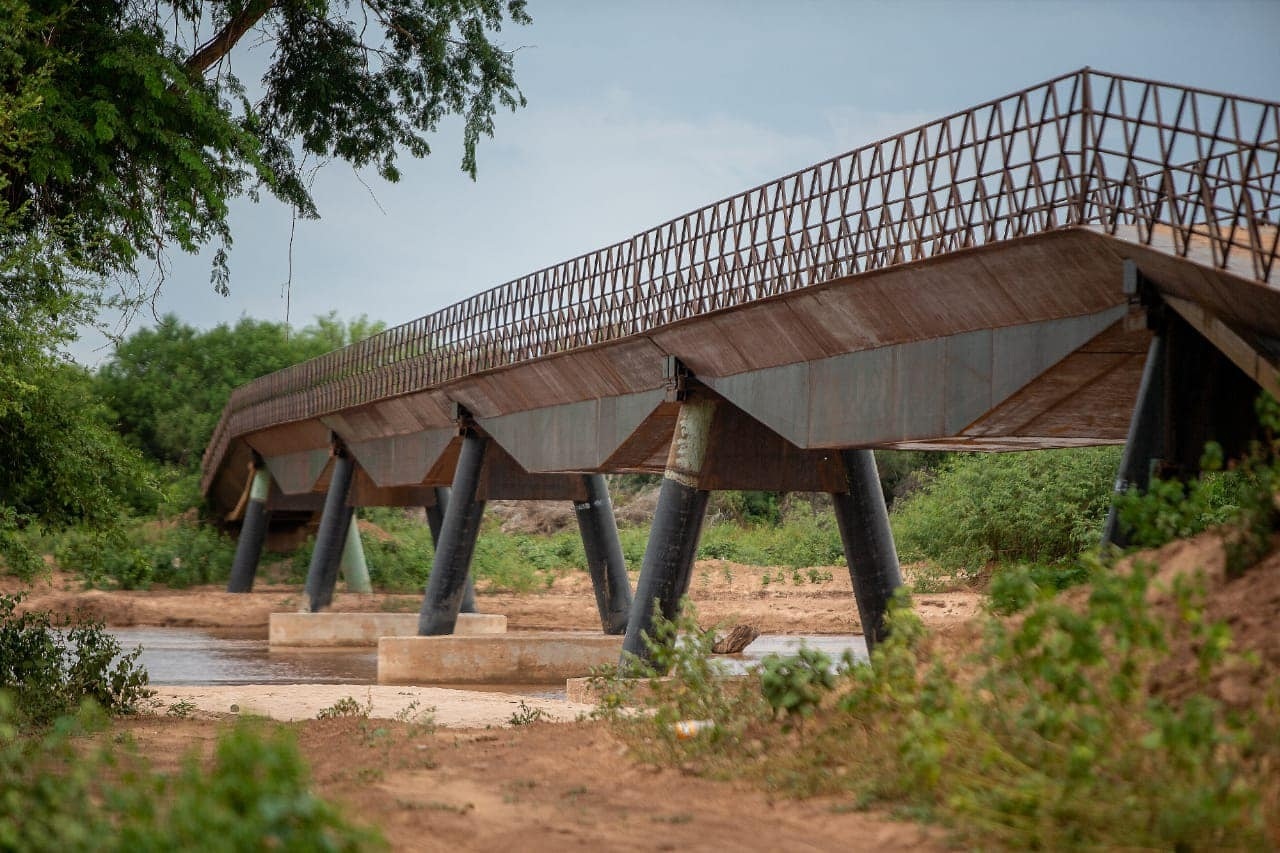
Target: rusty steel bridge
column 1091, row 260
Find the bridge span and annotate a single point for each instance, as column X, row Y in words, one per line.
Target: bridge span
column 1091, row 260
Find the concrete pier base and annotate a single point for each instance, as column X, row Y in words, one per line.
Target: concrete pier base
column 319, row 630
column 524, row 658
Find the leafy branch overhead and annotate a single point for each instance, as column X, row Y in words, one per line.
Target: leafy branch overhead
column 125, row 127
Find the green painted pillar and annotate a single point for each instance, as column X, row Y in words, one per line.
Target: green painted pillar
column 354, row 568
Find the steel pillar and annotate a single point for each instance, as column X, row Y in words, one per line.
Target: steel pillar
column 1145, row 443
column 435, row 518
column 354, row 568
column 605, row 562
column 335, row 521
column 253, row 533
column 868, row 542
column 677, row 524
column 458, row 531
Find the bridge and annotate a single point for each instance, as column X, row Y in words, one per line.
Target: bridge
column 1091, row 260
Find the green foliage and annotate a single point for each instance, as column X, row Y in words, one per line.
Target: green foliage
column 804, row 539
column 1049, row 736
column 68, row 467
column 178, row 554
column 685, row 688
column 1057, row 741
column 524, row 715
column 347, row 706
column 167, row 385
column 1243, row 497
column 794, row 685
column 49, row 668
column 1041, row 506
column 128, row 132
column 60, row 795
column 753, row 507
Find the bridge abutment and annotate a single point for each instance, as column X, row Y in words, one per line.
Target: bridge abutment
column 458, row 531
column 335, row 522
column 869, row 549
column 605, row 562
column 253, row 532
column 677, row 524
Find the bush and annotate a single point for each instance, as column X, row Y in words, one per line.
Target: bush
column 1042, row 506
column 1047, row 737
column 178, row 554
column 254, row 796
column 50, row 668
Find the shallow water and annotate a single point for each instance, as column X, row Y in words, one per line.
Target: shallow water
column 189, row 656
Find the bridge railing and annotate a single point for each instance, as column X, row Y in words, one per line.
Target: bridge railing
column 1187, row 166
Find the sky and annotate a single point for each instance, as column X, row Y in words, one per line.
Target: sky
column 640, row 112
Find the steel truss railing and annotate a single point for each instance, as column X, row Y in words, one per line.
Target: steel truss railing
column 1182, row 168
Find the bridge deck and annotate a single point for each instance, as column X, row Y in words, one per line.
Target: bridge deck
column 957, row 285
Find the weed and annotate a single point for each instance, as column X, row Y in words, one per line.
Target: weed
column 347, row 706
column 254, row 794
column 525, row 715
column 181, row 708
column 793, row 685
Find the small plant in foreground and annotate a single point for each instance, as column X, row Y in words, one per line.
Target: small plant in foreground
column 61, row 794
column 50, row 668
column 347, row 706
column 794, row 685
column 524, row 715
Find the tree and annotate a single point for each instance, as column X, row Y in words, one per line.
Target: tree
column 167, row 385
column 124, row 130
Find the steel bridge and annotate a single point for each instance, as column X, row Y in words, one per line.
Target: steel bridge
column 1090, row 260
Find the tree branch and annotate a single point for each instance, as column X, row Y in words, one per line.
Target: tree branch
column 221, row 44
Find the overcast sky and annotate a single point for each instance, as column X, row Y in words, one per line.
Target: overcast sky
column 639, row 112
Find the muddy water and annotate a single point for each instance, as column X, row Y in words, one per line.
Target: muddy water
column 195, row 656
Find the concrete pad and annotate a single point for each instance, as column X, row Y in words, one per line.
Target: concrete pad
column 523, row 658
column 364, row 629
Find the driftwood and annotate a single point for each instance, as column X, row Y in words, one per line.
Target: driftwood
column 736, row 640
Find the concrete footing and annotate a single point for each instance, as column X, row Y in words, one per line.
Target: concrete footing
column 364, row 629
column 524, row 658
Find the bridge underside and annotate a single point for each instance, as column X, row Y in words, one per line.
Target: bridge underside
column 1029, row 343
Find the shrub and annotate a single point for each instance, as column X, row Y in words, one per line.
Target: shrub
column 50, row 668
column 1041, row 506
column 254, row 795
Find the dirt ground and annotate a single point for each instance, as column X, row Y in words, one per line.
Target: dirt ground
column 810, row 601
column 541, row 787
column 471, row 780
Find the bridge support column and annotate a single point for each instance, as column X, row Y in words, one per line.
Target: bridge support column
column 253, row 533
column 335, row 521
column 435, row 518
column 354, row 568
column 605, row 562
column 1144, row 445
column 456, row 543
column 868, row 542
column 677, row 524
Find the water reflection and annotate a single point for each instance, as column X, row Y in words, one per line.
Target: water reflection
column 182, row 656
